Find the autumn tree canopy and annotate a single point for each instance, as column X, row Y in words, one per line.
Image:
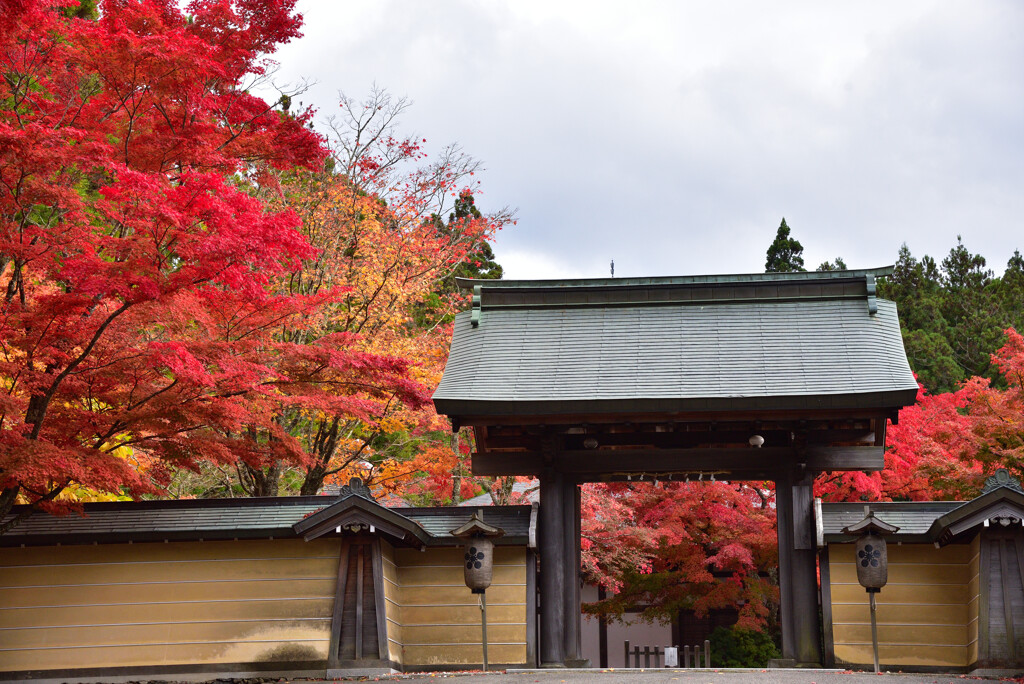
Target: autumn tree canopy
column 372, row 214
column 136, row 262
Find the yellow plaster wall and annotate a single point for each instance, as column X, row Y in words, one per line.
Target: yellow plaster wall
column 924, row 612
column 121, row 605
column 440, row 617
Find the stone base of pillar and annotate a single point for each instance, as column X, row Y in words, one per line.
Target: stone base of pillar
column 579, row 663
column 790, row 664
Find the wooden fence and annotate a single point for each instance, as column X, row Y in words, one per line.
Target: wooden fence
column 688, row 657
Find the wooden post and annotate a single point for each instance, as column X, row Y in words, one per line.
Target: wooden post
column 784, row 529
column 874, row 630
column 483, row 623
column 339, row 606
column 552, row 566
column 806, row 622
column 798, row 576
column 602, row 631
column 571, row 573
column 359, row 603
column 707, row 653
column 625, row 663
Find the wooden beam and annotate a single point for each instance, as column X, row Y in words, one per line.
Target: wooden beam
column 845, row 457
column 677, row 417
column 601, row 462
column 676, row 439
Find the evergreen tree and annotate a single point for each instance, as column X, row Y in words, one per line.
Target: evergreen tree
column 837, row 265
column 785, row 254
column 917, row 288
column 479, row 263
column 970, row 309
column 1009, row 292
column 953, row 314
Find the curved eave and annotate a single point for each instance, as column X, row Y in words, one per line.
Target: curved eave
column 889, row 401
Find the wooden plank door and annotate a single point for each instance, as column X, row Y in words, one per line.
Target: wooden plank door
column 358, row 628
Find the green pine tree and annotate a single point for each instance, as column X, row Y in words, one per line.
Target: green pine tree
column 837, row 265
column 785, row 254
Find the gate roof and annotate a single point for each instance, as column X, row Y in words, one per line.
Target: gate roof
column 774, row 341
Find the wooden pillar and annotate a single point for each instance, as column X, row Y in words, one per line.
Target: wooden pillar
column 784, row 530
column 571, row 643
column 806, row 620
column 798, row 578
column 552, row 567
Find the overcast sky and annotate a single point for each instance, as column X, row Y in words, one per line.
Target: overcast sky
column 673, row 136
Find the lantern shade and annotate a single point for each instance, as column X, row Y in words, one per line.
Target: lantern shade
column 479, row 563
column 478, row 559
column 872, row 562
column 871, row 555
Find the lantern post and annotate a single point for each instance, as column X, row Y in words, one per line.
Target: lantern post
column 872, row 563
column 479, row 563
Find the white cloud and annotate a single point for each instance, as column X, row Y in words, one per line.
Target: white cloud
column 674, row 136
column 534, row 265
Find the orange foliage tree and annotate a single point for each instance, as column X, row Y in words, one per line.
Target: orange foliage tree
column 373, row 214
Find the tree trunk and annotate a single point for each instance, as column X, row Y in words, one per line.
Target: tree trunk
column 457, row 472
column 313, row 481
column 324, row 446
column 7, row 498
column 263, row 482
column 502, row 496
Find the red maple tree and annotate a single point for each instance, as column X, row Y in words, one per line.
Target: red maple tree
column 997, row 413
column 673, row 546
column 134, row 261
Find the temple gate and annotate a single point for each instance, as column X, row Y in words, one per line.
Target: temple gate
column 776, row 376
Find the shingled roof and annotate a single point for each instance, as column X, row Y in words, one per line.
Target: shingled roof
column 914, row 518
column 249, row 518
column 940, row 522
column 692, row 343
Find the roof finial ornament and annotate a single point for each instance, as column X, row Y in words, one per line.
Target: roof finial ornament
column 355, row 487
column 1002, row 478
column 613, row 268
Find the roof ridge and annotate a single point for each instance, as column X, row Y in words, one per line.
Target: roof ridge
column 649, row 281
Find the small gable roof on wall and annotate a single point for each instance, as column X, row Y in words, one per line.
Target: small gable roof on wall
column 938, row 522
column 356, row 513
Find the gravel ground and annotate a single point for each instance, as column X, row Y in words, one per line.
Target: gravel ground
column 682, row 676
